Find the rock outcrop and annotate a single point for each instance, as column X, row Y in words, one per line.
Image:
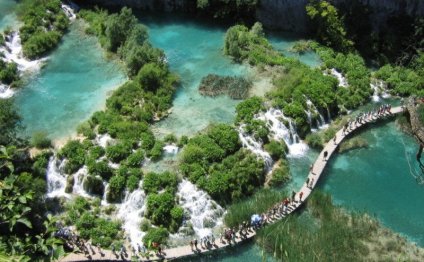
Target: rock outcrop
column 280, row 14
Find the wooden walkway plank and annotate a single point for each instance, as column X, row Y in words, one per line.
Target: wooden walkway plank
column 316, row 172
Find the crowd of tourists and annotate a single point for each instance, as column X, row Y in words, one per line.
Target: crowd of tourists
column 372, row 115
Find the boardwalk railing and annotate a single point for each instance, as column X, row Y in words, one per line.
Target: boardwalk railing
column 305, row 191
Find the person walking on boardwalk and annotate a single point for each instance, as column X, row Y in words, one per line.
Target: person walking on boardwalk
column 300, row 196
column 335, row 139
column 191, row 245
column 307, row 182
column 325, row 155
column 311, row 184
column 195, row 243
column 311, row 169
column 293, row 196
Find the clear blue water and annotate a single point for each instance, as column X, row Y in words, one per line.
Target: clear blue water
column 73, row 85
column 7, row 14
column 77, row 79
column 379, row 181
column 194, row 49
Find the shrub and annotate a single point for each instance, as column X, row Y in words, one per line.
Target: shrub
column 159, row 208
column 154, row 182
column 156, row 235
column 177, row 214
column 117, row 153
column 133, row 182
column 40, row 140
column 145, row 225
column 116, row 189
column 276, row 149
column 74, row 152
column 135, row 159
column 93, row 185
column 86, row 130
column 314, row 140
column 101, row 169
column 156, row 152
column 281, row 174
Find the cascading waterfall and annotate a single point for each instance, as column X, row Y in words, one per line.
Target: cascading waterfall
column 320, row 119
column 5, row 91
column 131, row 212
column 56, row 182
column 339, row 76
column 12, row 52
column 79, row 177
column 205, row 214
column 256, row 147
column 379, row 89
column 281, row 132
column 104, row 140
column 170, row 149
column 69, row 11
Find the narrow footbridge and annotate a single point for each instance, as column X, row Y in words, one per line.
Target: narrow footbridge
column 304, row 192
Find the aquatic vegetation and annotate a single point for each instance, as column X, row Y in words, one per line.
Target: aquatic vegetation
column 154, row 182
column 281, row 174
column 40, row 140
column 44, row 25
column 9, row 74
column 156, row 235
column 276, row 149
column 215, row 85
column 353, row 143
column 260, row 202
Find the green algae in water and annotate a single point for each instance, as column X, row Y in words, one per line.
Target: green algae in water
column 73, row 85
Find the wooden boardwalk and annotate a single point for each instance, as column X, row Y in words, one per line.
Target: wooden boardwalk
column 313, row 177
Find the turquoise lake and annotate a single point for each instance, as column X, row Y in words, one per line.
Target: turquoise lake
column 7, row 14
column 77, row 80
column 194, row 49
column 74, row 83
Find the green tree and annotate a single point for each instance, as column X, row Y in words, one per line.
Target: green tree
column 329, row 26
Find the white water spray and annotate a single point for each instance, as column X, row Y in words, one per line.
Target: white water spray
column 205, row 214
column 339, row 76
column 56, row 182
column 6, row 91
column 131, row 211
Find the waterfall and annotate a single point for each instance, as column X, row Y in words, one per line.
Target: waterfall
column 12, row 52
column 104, row 140
column 379, row 89
column 281, row 132
column 170, row 149
column 320, row 118
column 69, row 11
column 205, row 214
column 56, row 182
column 339, row 76
column 131, row 211
column 256, row 147
column 5, row 91
column 79, row 176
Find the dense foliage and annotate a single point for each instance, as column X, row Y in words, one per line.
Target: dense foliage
column 216, row 163
column 25, row 228
column 9, row 74
column 44, row 25
column 85, row 215
column 404, row 81
column 329, row 25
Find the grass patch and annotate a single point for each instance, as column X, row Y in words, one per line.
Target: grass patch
column 258, row 203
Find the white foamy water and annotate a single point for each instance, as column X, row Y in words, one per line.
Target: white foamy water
column 171, row 149
column 320, row 121
column 380, row 91
column 131, row 211
column 205, row 214
column 12, row 51
column 69, row 11
column 273, row 119
column 6, row 91
column 56, row 181
column 339, row 76
column 104, row 140
column 255, row 147
column 79, row 177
